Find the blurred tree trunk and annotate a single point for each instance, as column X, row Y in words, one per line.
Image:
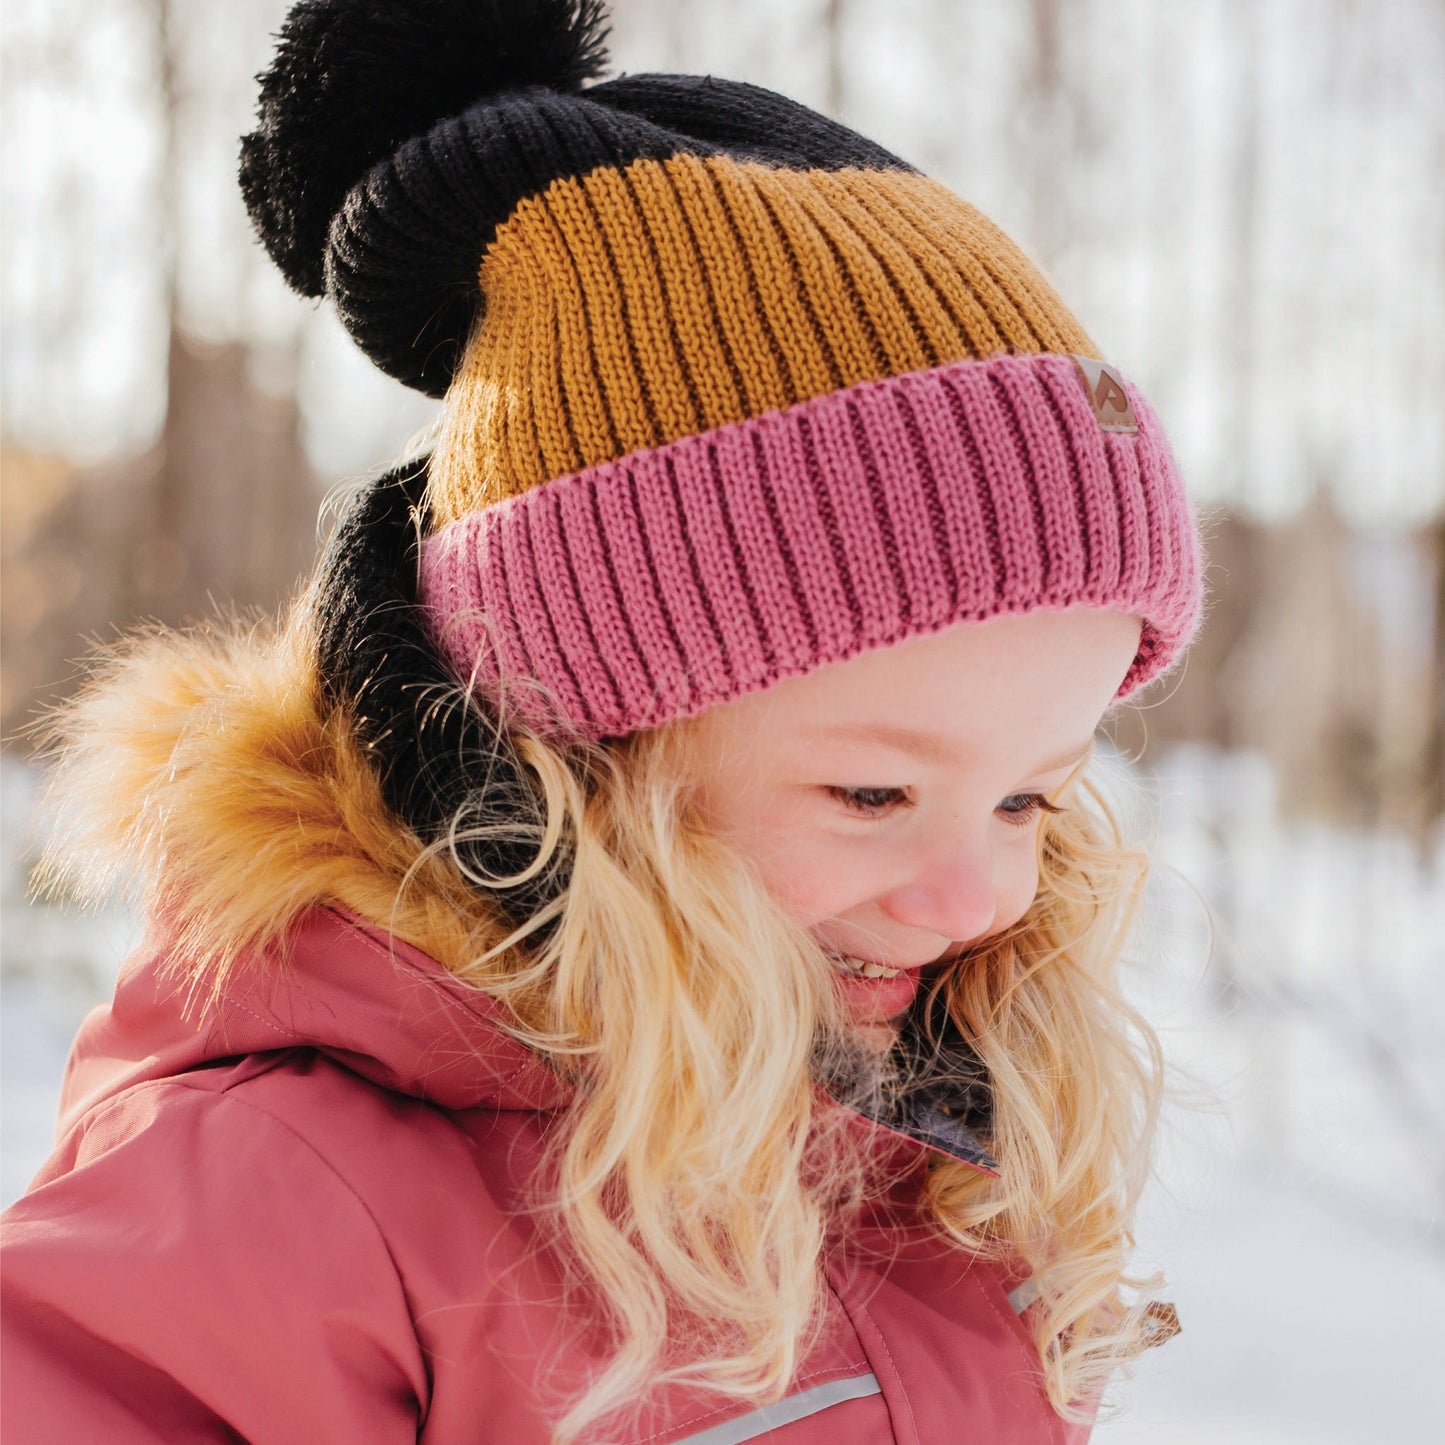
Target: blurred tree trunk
column 1045, row 103
column 1432, row 789
column 159, row 561
column 219, row 512
column 1298, row 663
column 231, row 501
column 227, row 508
column 833, row 86
column 1239, row 299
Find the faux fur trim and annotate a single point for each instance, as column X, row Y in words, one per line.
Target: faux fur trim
column 202, row 774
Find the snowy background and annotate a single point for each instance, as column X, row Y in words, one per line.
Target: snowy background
column 1240, row 197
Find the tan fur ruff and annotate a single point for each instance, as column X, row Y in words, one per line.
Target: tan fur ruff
column 203, row 774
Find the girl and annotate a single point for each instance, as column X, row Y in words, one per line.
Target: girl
column 631, row 955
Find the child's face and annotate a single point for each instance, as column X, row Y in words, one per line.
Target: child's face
column 934, row 861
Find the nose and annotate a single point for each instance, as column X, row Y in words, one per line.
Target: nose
column 952, row 890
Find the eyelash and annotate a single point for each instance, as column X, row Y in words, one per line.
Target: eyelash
column 854, row 800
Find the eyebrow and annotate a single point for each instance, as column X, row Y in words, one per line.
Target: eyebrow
column 927, row 746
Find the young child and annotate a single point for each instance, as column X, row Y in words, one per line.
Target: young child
column 631, row 954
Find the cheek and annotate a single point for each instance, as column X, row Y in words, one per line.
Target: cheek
column 811, row 882
column 1018, row 883
column 812, row 893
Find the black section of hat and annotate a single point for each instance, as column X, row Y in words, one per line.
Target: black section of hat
column 743, row 121
column 441, row 758
column 354, row 79
column 386, row 158
column 403, row 266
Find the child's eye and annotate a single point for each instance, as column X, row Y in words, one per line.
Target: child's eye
column 1029, row 804
column 1018, row 808
column 872, row 801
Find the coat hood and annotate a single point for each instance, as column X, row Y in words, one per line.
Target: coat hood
column 346, row 990
column 204, row 774
column 287, row 905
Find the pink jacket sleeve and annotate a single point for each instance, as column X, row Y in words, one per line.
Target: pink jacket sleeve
column 189, row 1269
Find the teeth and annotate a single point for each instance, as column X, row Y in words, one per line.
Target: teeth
column 866, row 970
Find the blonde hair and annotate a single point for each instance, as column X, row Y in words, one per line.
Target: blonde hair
column 700, row 1170
column 697, row 1175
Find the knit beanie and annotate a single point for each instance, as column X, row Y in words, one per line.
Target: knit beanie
column 731, row 392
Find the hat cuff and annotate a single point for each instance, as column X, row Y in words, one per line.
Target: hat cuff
column 678, row 577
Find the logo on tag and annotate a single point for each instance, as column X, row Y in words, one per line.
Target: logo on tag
column 1104, row 387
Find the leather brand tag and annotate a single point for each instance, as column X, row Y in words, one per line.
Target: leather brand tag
column 1104, row 387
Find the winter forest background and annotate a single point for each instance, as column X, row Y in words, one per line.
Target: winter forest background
column 1242, row 201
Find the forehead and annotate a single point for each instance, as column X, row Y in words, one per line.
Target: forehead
column 949, row 694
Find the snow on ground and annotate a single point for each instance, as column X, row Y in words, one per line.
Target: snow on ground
column 55, row 965
column 1299, row 1327
column 1302, row 1158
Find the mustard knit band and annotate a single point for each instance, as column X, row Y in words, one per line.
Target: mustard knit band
column 634, row 305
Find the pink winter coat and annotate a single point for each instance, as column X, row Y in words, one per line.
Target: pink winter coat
column 297, row 1224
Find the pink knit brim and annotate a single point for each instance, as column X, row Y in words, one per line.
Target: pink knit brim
column 683, row 576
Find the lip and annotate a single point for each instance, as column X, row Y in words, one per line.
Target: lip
column 877, row 1000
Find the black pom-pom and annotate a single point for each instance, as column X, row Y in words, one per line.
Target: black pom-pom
column 354, row 79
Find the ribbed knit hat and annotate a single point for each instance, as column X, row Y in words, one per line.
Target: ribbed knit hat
column 732, row 393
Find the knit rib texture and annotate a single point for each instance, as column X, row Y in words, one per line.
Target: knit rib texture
column 676, row 577
column 634, row 305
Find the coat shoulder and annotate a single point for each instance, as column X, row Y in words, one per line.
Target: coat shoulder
column 147, row 1269
column 305, row 1113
